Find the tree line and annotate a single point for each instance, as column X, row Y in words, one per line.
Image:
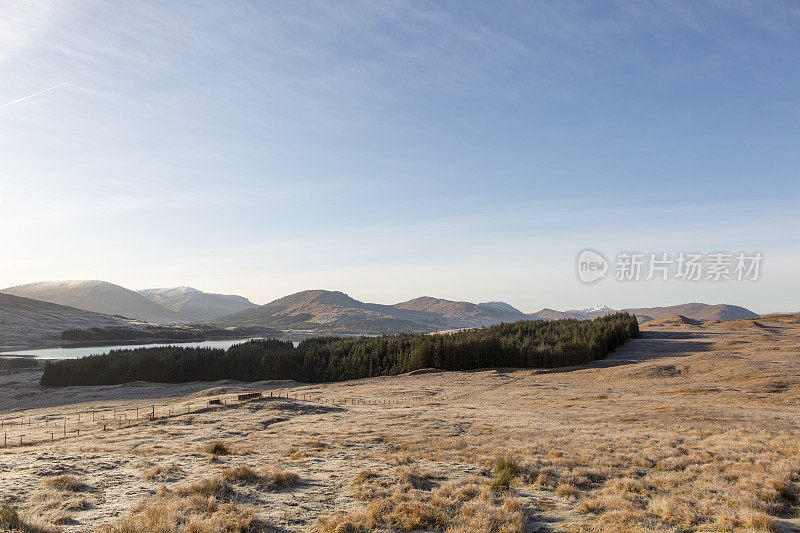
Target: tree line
column 527, row 344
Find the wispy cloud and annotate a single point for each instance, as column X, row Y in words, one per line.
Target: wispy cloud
column 18, row 100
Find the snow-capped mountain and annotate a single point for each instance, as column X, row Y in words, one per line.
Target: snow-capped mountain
column 595, row 309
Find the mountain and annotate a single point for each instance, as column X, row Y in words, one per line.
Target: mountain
column 694, row 311
column 461, row 314
column 26, row 322
column 97, row 296
column 192, row 305
column 594, row 309
column 503, row 306
column 552, row 314
column 333, row 312
column 321, row 311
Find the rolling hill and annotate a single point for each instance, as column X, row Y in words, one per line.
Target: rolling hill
column 503, row 306
column 96, row 296
column 193, row 305
column 322, row 311
column 694, row 311
column 333, row 312
column 462, row 314
column 25, row 322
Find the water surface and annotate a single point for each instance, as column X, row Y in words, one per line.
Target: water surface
column 73, row 352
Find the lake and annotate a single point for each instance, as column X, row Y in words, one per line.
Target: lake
column 73, row 352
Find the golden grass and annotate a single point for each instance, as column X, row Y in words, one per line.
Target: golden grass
column 505, row 471
column 705, row 440
column 205, row 505
column 410, row 501
column 9, row 518
column 66, row 483
column 216, row 448
column 162, row 473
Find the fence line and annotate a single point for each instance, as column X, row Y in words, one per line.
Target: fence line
column 56, row 426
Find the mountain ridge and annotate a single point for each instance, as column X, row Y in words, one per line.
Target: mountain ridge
column 334, row 312
column 96, row 296
column 321, row 312
column 25, row 322
column 191, row 304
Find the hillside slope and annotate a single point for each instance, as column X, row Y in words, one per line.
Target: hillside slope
column 26, row 322
column 322, row 311
column 461, row 314
column 695, row 311
column 193, row 305
column 96, row 296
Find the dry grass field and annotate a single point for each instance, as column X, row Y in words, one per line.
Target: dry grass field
column 692, row 427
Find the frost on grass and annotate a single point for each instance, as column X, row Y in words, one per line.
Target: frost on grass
column 206, row 505
column 411, row 499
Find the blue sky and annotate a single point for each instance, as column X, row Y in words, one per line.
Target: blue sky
column 466, row 150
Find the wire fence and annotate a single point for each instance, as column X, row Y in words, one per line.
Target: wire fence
column 38, row 429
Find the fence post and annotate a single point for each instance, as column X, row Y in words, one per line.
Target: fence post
column 154, row 412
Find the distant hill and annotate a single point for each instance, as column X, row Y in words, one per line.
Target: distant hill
column 333, row 312
column 695, row 311
column 552, row 314
column 97, row 296
column 26, row 322
column 503, row 306
column 322, row 311
column 461, row 314
column 677, row 320
column 193, row 305
column 692, row 311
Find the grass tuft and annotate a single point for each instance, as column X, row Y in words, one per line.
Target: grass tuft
column 216, row 448
column 65, row 483
column 9, row 518
column 506, row 469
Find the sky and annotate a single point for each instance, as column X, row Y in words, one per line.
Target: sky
column 457, row 149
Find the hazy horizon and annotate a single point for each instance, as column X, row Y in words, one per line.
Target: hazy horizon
column 391, row 150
